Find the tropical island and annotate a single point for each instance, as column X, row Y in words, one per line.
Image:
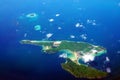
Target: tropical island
column 73, row 52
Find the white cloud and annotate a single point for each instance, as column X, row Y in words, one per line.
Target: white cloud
column 49, row 35
column 57, row 15
column 108, row 70
column 79, row 25
column 83, row 36
column 64, row 55
column 51, row 20
column 87, row 58
column 92, row 22
column 107, row 59
column 59, row 28
column 25, row 34
column 72, row 36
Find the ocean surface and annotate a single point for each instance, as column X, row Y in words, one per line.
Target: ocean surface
column 93, row 21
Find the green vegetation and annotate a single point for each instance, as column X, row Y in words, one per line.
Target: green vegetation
column 37, row 43
column 75, row 51
column 82, row 71
column 74, row 46
column 65, row 45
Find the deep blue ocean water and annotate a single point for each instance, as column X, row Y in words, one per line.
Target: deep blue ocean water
column 27, row 62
